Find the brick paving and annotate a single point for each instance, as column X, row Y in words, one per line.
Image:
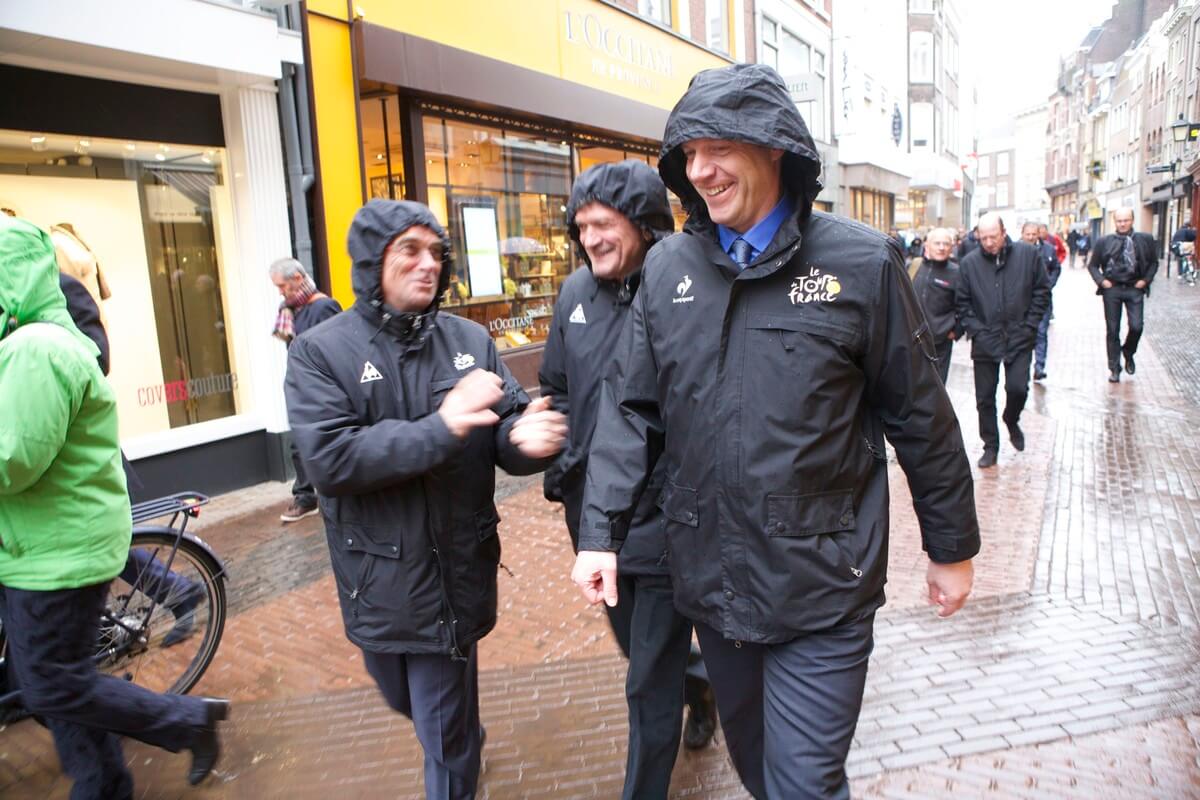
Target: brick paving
column 1072, row 673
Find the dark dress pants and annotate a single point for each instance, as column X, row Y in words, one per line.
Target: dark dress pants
column 1132, row 300
column 51, row 641
column 789, row 710
column 657, row 640
column 942, row 350
column 1016, row 390
column 302, row 488
column 441, row 697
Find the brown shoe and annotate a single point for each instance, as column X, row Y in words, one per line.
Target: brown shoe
column 298, row 510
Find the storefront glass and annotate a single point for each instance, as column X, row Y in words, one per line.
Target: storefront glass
column 145, row 225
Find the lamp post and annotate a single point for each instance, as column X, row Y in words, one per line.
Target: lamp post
column 1181, row 131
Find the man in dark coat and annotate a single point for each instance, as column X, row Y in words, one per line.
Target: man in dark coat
column 1123, row 266
column 615, row 214
column 935, row 280
column 1084, row 245
column 401, row 416
column 769, row 350
column 1186, row 234
column 302, row 307
column 1003, row 292
column 1040, row 239
column 968, row 245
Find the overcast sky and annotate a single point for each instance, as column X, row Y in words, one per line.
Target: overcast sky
column 1015, row 45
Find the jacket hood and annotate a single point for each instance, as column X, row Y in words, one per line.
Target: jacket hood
column 631, row 187
column 743, row 103
column 29, row 281
column 374, row 227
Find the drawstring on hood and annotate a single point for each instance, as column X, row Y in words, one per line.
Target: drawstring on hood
column 633, row 189
column 374, row 227
column 743, row 103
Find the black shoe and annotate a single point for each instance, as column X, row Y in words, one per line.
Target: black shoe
column 1114, row 376
column 1016, row 436
column 701, row 723
column 988, row 459
column 1039, row 375
column 1130, row 367
column 207, row 748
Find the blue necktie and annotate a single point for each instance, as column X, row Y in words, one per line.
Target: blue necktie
column 740, row 250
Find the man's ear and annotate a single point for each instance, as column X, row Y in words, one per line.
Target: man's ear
column 776, row 153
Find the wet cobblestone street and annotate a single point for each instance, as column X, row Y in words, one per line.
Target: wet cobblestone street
column 1072, row 673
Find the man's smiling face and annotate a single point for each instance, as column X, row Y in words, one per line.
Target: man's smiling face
column 739, row 182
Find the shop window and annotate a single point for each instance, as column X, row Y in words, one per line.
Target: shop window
column 382, row 147
column 155, row 219
column 872, row 208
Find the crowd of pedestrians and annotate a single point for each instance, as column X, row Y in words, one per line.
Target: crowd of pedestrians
column 713, row 415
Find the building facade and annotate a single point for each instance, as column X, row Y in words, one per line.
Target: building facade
column 156, row 154
column 996, row 180
column 448, row 105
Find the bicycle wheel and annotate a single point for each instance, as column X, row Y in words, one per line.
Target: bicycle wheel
column 164, row 614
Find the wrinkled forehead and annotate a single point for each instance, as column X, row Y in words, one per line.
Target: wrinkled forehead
column 597, row 213
column 938, row 238
column 420, row 236
column 1123, row 213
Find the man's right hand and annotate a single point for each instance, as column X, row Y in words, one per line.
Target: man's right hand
column 469, row 404
column 595, row 574
column 1106, row 284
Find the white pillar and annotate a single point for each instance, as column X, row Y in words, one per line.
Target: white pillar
column 255, row 175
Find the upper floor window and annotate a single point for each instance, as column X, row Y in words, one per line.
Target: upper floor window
column 922, row 6
column 716, row 18
column 1001, row 164
column 657, row 10
column 920, row 66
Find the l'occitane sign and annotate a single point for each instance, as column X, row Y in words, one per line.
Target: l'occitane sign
column 583, row 41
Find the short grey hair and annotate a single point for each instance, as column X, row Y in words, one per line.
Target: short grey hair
column 288, row 268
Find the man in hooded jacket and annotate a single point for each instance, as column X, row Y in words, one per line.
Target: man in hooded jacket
column 615, row 214
column 1003, row 293
column 65, row 529
column 770, row 348
column 401, row 416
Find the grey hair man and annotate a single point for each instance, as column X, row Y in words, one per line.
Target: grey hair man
column 935, row 281
column 1123, row 266
column 301, row 308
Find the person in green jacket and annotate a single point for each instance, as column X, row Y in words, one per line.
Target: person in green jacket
column 64, row 534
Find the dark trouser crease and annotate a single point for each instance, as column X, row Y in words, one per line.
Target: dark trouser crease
column 1016, row 390
column 1132, row 300
column 302, row 488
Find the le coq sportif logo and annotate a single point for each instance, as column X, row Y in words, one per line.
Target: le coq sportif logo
column 682, row 289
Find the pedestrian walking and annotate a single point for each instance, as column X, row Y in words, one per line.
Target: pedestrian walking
column 302, row 307
column 769, row 350
column 1050, row 259
column 968, row 244
column 1186, row 235
column 615, row 214
column 1003, row 293
column 65, row 528
column 1084, row 246
column 401, row 416
column 935, row 282
column 1072, row 244
column 1123, row 267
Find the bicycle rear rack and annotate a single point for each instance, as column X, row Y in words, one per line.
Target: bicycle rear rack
column 180, row 503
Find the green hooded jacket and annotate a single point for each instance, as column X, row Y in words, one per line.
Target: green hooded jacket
column 64, row 510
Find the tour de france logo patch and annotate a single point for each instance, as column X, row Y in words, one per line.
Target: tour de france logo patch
column 815, row 287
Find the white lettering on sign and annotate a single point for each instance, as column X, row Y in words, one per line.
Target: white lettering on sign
column 586, row 30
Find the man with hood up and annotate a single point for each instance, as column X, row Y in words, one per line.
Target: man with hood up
column 401, row 416
column 615, row 214
column 770, row 348
column 65, row 528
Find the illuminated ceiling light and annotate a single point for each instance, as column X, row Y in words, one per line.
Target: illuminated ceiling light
column 159, row 157
column 85, row 143
column 379, row 156
column 37, row 142
column 130, row 147
column 85, row 161
column 206, row 158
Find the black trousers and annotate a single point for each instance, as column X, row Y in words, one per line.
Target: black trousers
column 302, row 488
column 789, row 710
column 1132, row 300
column 51, row 640
column 1016, row 390
column 441, row 697
column 943, row 350
column 664, row 673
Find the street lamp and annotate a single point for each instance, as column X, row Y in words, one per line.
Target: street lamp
column 1179, row 129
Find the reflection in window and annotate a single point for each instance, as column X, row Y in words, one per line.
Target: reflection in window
column 382, row 147
column 717, row 24
column 657, row 10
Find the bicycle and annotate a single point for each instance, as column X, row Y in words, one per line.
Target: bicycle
column 1187, row 262
column 164, row 614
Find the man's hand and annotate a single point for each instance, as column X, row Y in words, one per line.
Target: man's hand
column 1106, row 284
column 949, row 585
column 469, row 404
column 595, row 574
column 1140, row 285
column 541, row 431
column 951, row 336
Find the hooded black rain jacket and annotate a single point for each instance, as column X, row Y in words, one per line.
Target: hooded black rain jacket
column 1001, row 300
column 768, row 393
column 589, row 317
column 407, row 505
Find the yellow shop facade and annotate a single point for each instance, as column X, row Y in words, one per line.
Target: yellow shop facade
column 486, row 111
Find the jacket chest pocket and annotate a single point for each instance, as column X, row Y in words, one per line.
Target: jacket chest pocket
column 826, row 519
column 800, row 343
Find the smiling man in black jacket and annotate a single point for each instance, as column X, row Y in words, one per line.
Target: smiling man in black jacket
column 770, row 349
column 616, row 212
column 401, row 416
column 1003, row 293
